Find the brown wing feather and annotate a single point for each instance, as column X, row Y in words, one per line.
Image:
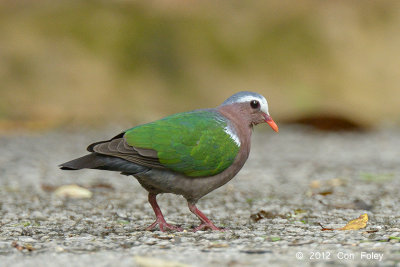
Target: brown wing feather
column 113, row 144
column 90, row 147
column 117, row 147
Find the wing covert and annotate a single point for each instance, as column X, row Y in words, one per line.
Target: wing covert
column 194, row 143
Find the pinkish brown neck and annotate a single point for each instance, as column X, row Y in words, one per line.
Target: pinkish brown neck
column 241, row 123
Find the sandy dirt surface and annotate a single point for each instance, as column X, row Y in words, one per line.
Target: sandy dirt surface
column 293, row 183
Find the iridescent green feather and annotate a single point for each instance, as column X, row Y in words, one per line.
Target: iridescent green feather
column 193, row 143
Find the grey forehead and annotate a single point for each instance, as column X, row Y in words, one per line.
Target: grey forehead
column 238, row 96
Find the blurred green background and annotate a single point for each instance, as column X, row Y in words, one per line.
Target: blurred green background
column 99, row 62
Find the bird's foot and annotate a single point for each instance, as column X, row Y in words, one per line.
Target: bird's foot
column 163, row 225
column 205, row 222
column 160, row 221
column 210, row 226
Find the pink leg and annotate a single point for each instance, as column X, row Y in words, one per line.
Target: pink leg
column 205, row 222
column 159, row 217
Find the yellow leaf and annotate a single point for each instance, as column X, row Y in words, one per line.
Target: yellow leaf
column 72, row 191
column 153, row 262
column 360, row 222
column 315, row 184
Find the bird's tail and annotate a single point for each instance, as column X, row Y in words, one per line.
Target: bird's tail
column 90, row 161
column 103, row 162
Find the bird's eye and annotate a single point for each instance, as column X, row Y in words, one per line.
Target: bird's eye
column 255, row 104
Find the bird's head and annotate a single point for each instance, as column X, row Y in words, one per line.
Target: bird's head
column 253, row 106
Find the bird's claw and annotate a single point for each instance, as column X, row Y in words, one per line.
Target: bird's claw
column 164, row 226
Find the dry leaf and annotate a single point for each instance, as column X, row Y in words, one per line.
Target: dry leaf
column 325, row 187
column 356, row 224
column 335, row 182
column 262, row 214
column 325, row 193
column 101, row 186
column 153, row 262
column 20, row 248
column 329, row 122
column 48, row 188
column 315, row 184
column 72, row 191
column 360, row 222
column 218, row 245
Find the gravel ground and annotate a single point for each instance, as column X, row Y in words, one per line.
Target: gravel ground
column 293, row 182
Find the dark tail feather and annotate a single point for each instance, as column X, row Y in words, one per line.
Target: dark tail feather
column 91, row 161
column 102, row 162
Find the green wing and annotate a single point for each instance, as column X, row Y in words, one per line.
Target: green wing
column 193, row 143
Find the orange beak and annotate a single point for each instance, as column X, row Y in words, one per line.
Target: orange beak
column 271, row 123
